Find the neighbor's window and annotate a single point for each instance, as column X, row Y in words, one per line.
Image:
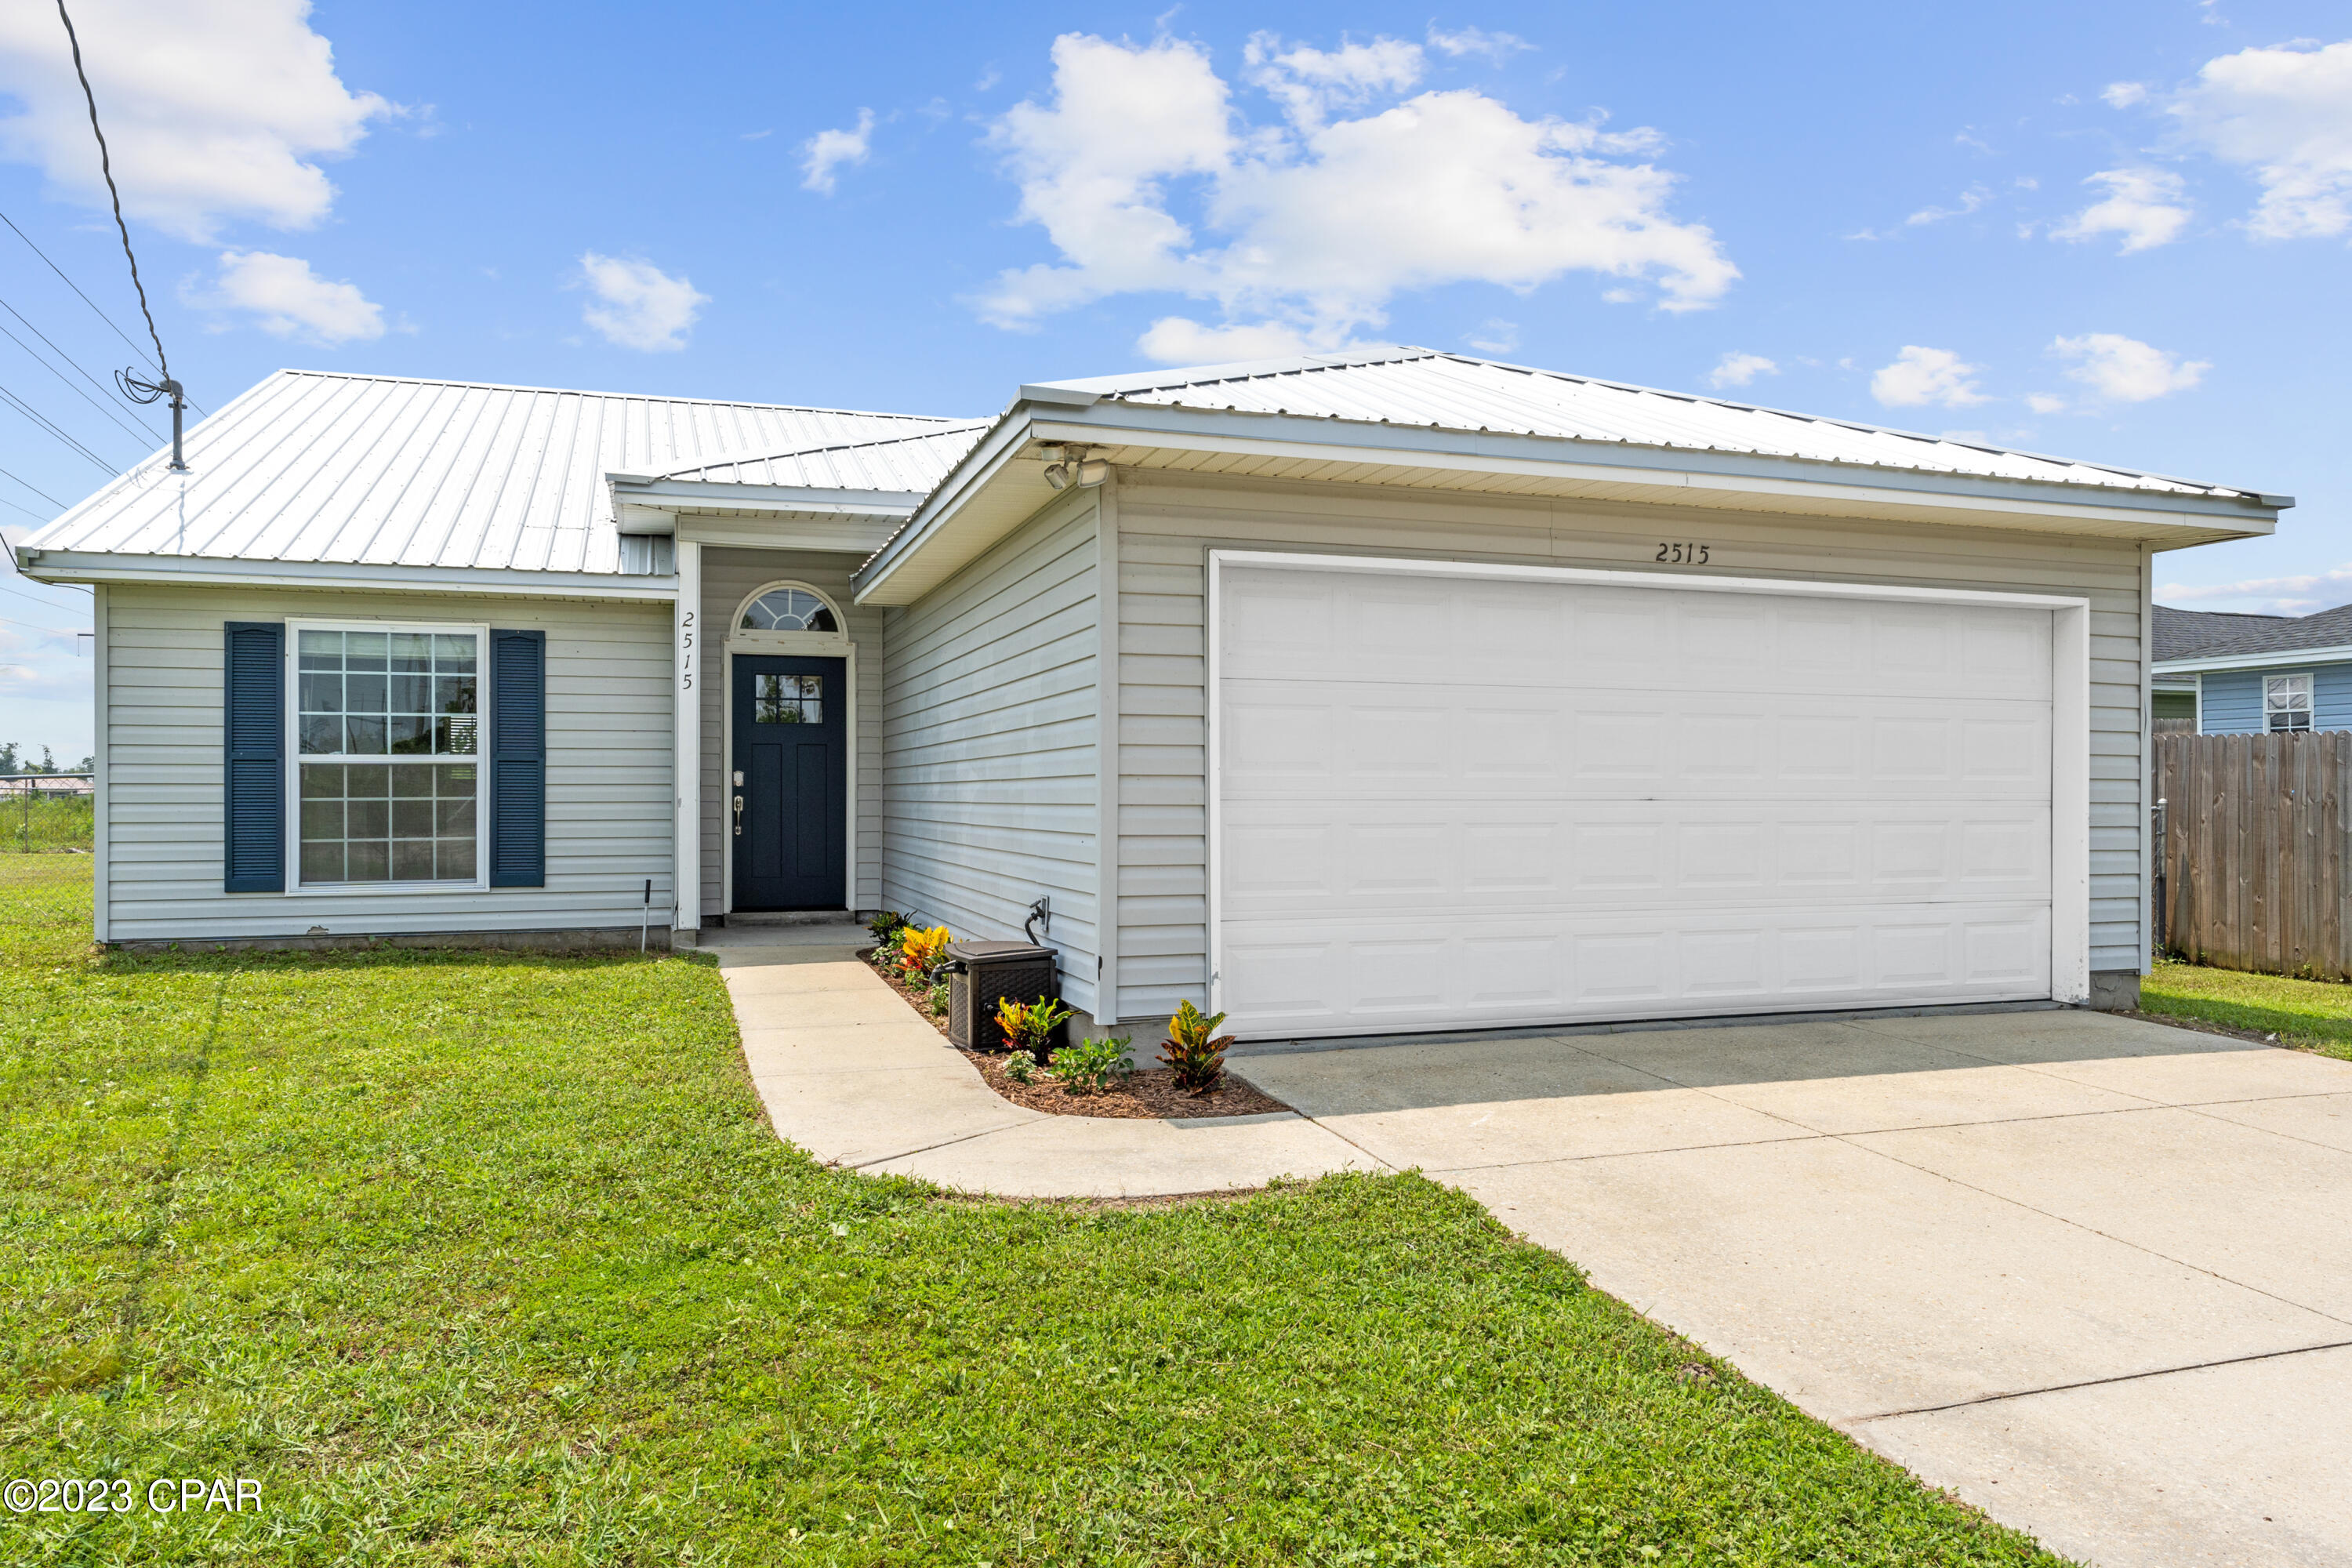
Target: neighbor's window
column 788, row 610
column 2286, row 701
column 382, row 720
column 788, row 700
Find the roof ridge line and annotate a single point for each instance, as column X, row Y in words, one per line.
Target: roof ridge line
column 761, row 454
column 1859, row 425
column 1239, row 370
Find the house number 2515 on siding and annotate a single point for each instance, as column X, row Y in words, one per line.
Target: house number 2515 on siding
column 686, row 650
column 1683, row 555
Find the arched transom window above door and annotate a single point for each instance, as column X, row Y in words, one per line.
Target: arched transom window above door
column 788, row 610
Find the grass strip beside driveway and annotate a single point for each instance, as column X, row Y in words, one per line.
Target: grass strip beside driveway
column 2309, row 1014
column 488, row 1258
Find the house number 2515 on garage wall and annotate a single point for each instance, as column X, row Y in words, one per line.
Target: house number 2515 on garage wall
column 1683, row 555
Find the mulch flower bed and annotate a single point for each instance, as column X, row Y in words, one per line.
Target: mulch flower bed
column 1147, row 1094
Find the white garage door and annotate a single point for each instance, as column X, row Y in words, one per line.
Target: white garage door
column 1452, row 802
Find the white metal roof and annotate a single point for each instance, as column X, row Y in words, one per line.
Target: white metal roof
column 1425, row 387
column 384, row 470
column 906, row 462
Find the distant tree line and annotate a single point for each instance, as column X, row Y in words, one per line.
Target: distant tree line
column 14, row 759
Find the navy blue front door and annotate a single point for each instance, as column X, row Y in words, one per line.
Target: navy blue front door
column 790, row 773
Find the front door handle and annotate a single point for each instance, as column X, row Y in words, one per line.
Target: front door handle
column 738, row 817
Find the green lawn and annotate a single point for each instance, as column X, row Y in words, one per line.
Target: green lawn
column 2312, row 1014
column 474, row 1259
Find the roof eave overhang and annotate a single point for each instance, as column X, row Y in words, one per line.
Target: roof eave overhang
column 2338, row 654
column 345, row 576
column 661, row 494
column 1690, row 478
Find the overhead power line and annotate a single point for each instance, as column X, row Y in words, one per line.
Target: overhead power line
column 33, row 599
column 103, row 389
column 54, row 428
column 35, row 488
column 134, row 386
column 69, row 282
column 121, row 423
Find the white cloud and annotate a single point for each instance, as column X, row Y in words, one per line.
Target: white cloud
column 1496, row 336
column 1326, row 217
column 1178, row 339
column 1921, row 375
column 637, row 305
column 1737, row 369
column 2287, row 113
column 2125, row 369
column 214, row 109
column 2123, row 94
column 1310, row 83
column 1492, row 48
column 286, row 298
column 2045, row 403
column 1970, row 200
column 2145, row 205
column 2297, row 594
column 829, row 150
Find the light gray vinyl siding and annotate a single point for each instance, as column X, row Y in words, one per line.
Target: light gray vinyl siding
column 991, row 787
column 1168, row 523
column 730, row 577
column 608, row 768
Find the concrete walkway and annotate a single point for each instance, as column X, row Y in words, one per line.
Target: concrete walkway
column 850, row 1074
column 2093, row 1274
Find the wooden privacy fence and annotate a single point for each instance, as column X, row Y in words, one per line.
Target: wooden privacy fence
column 2252, row 857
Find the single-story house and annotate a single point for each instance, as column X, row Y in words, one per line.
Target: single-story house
column 2246, row 674
column 1380, row 691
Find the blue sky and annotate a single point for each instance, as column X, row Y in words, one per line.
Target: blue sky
column 2117, row 232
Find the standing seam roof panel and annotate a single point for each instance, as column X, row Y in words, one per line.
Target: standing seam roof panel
column 318, row 466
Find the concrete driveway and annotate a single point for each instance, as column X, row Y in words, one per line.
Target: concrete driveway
column 2094, row 1275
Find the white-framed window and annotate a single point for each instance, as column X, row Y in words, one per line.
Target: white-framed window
column 788, row 609
column 786, row 616
column 388, row 723
column 2286, row 701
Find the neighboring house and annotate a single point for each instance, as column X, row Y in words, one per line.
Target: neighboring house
column 1388, row 691
column 2244, row 675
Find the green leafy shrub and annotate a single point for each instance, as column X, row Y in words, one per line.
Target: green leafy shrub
column 1028, row 1026
column 1021, row 1067
column 886, row 925
column 1194, row 1051
column 1093, row 1066
column 937, row 997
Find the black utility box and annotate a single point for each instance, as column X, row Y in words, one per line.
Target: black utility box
column 981, row 974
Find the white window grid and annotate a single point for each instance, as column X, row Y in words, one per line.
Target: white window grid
column 295, row 758
column 2286, row 701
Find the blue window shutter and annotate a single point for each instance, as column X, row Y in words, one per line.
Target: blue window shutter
column 252, row 737
column 518, row 759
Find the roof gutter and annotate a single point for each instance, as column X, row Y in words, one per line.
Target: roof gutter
column 653, row 491
column 1629, row 462
column 2336, row 654
column 987, row 458
column 225, row 572
column 1070, row 414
